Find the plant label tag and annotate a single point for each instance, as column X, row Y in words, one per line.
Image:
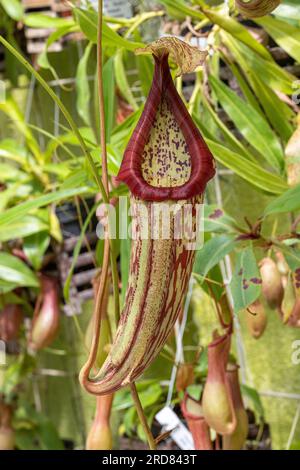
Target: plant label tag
column 180, row 434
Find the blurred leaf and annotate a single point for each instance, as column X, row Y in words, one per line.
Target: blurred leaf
column 245, row 285
column 16, row 372
column 55, row 230
column 109, row 93
column 288, row 9
column 249, row 171
column 43, row 60
column 82, row 87
column 273, row 75
column 23, row 227
column 11, row 109
column 121, row 79
column 253, row 395
column 229, row 137
column 76, row 252
column 237, row 30
column 213, row 252
column 276, row 110
column 288, row 202
column 180, row 7
column 13, row 270
column 246, row 90
column 292, row 256
column 87, row 20
column 22, row 209
column 286, row 35
column 13, row 8
column 39, row 20
column 145, row 69
column 216, row 220
column 250, row 123
column 35, row 247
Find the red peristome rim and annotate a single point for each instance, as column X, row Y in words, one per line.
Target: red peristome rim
column 202, row 161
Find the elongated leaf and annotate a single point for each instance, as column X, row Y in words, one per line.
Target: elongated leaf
column 13, row 8
column 217, row 221
column 251, row 63
column 230, row 138
column 247, row 170
column 87, row 20
column 34, row 248
column 76, row 252
column 181, row 7
column 286, row 35
column 246, row 281
column 292, row 256
column 12, row 110
column 237, row 30
column 22, row 228
column 13, row 270
column 14, row 213
column 288, row 202
column 109, row 96
column 252, row 126
column 39, row 20
column 82, row 87
column 246, row 90
column 43, row 60
column 277, row 112
column 213, row 252
column 121, row 80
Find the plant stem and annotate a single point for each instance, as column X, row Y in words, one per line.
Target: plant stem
column 142, row 417
column 113, row 261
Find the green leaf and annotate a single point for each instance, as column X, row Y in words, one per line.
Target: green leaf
column 76, row 252
column 229, row 137
column 245, row 285
column 109, row 96
column 13, row 270
column 217, row 221
column 213, row 252
column 43, row 57
column 253, row 395
column 292, row 256
column 121, row 79
column 21, row 228
column 180, row 7
column 82, row 87
column 35, row 247
column 145, row 69
column 288, row 202
column 249, row 171
column 246, row 90
column 250, row 123
column 87, row 20
column 16, row 212
column 13, row 8
column 237, row 30
column 286, row 35
column 16, row 372
column 273, row 75
column 38, row 20
column 276, row 110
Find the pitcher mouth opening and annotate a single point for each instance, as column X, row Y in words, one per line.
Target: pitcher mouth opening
column 183, row 164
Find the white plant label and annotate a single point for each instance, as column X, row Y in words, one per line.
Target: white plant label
column 180, row 434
